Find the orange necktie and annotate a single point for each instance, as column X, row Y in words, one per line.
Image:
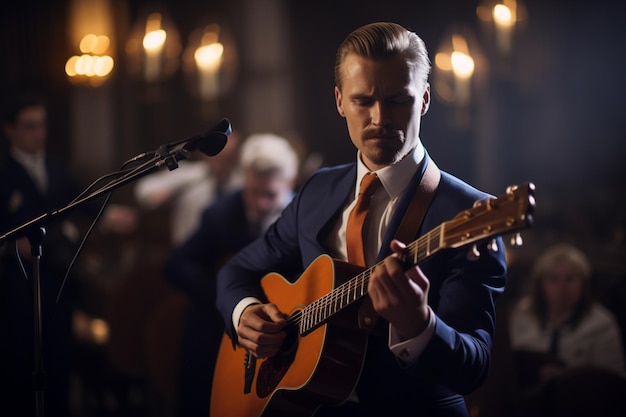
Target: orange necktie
column 354, row 230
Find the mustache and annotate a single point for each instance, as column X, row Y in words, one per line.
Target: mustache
column 381, row 133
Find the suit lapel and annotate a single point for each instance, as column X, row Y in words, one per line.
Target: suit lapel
column 343, row 185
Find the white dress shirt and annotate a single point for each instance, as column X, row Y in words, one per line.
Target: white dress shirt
column 394, row 178
column 35, row 166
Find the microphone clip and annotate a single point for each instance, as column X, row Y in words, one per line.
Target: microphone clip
column 170, row 156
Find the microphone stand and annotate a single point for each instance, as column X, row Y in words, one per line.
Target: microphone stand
column 164, row 156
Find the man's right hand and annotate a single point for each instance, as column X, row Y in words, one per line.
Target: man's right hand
column 260, row 330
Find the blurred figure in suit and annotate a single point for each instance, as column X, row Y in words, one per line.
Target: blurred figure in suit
column 33, row 183
column 269, row 165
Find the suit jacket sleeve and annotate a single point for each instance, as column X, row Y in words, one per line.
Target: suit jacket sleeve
column 462, row 294
column 290, row 244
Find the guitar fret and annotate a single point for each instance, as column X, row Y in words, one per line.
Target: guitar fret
column 307, row 318
column 335, row 297
column 327, row 311
column 302, row 323
column 318, row 312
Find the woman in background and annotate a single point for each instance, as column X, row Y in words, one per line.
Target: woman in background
column 559, row 325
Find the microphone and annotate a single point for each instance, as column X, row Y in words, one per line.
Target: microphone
column 209, row 143
column 212, row 141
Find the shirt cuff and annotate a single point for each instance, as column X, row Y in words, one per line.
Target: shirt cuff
column 240, row 307
column 408, row 351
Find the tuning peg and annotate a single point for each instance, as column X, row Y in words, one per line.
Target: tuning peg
column 473, row 253
column 516, row 240
column 493, row 246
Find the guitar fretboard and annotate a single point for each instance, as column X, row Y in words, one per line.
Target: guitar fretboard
column 319, row 311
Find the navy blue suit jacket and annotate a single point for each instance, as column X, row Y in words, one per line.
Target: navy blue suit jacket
column 462, row 293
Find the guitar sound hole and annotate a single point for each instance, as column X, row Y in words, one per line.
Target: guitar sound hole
column 291, row 340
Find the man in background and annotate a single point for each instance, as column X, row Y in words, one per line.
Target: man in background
column 269, row 167
column 33, row 183
column 191, row 187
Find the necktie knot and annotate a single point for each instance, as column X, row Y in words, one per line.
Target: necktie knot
column 369, row 184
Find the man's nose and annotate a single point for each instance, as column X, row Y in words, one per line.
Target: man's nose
column 380, row 114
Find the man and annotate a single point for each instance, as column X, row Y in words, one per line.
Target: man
column 440, row 315
column 33, row 183
column 269, row 166
column 191, row 187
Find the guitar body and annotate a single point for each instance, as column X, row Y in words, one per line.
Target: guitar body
column 320, row 367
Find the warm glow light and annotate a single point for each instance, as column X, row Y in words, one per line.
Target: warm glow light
column 70, row 66
column 89, row 66
column 103, row 66
column 88, row 43
column 92, row 44
column 442, row 61
column 462, row 64
column 84, row 65
column 154, row 40
column 209, row 56
column 99, row 331
column 91, row 32
column 89, row 16
column 502, row 15
column 459, row 44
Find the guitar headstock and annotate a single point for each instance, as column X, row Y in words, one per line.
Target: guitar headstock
column 505, row 214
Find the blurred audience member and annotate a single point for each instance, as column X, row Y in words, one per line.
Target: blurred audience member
column 34, row 183
column 191, row 187
column 269, row 166
column 559, row 325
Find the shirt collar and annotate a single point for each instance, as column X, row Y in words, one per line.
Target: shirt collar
column 27, row 158
column 396, row 177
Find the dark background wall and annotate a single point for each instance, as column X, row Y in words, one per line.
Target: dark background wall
column 552, row 114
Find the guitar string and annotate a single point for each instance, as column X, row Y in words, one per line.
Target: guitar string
column 419, row 249
column 423, row 247
column 317, row 311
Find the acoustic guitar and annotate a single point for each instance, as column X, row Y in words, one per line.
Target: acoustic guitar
column 321, row 359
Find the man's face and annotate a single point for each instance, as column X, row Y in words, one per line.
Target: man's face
column 382, row 103
column 28, row 134
column 264, row 193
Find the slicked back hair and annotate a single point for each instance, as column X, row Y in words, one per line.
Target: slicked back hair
column 382, row 40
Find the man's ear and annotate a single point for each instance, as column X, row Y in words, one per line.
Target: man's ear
column 338, row 102
column 426, row 99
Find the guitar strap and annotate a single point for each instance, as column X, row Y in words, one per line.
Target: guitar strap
column 407, row 232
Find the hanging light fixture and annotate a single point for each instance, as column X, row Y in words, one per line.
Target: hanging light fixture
column 458, row 63
column 209, row 62
column 91, row 32
column 500, row 20
column 153, row 48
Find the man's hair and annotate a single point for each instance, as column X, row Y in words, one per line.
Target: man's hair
column 546, row 264
column 20, row 102
column 383, row 40
column 267, row 153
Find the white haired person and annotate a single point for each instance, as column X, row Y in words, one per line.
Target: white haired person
column 269, row 165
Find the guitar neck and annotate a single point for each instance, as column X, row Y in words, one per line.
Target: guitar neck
column 510, row 212
column 318, row 312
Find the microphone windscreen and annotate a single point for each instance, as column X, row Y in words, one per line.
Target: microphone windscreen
column 212, row 143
